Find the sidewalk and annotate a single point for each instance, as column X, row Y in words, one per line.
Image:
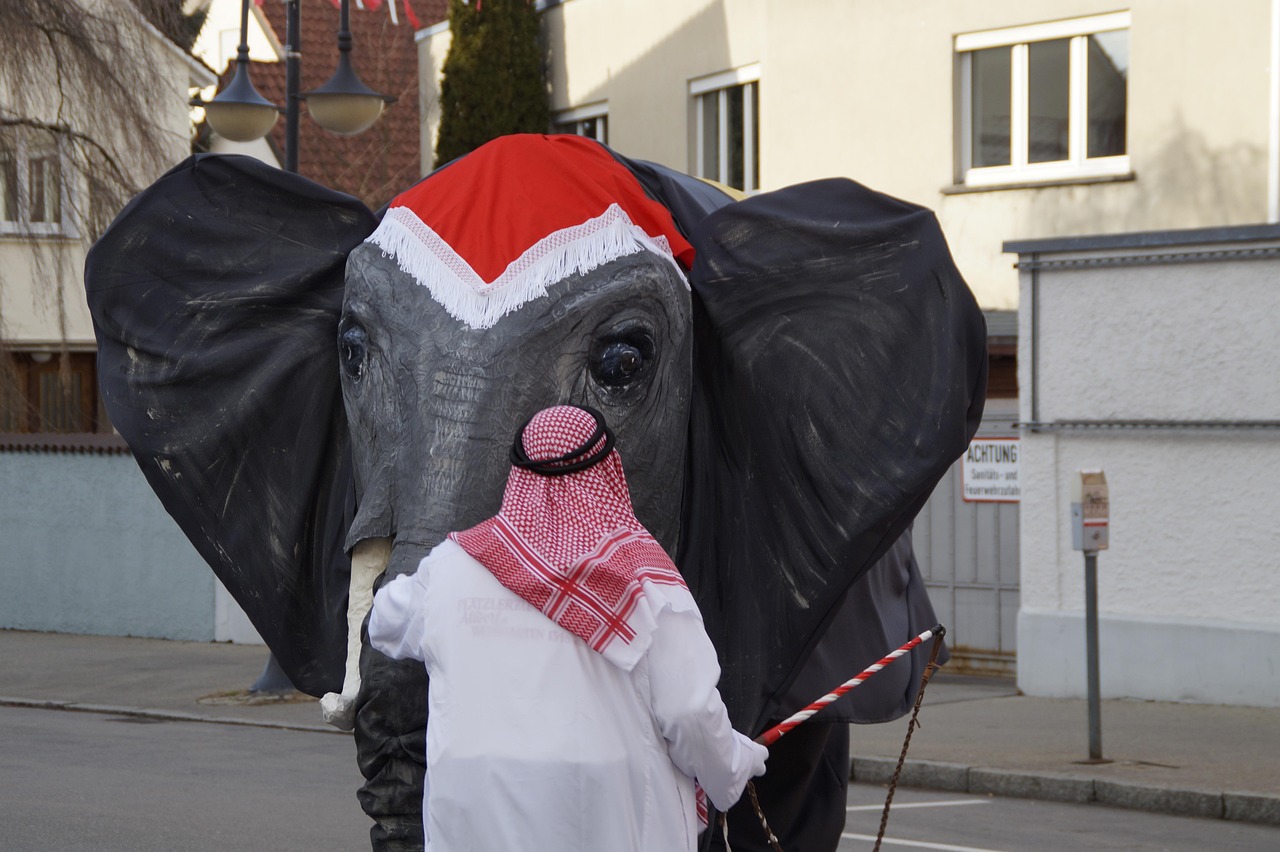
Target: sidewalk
column 976, row 735
column 158, row 678
column 979, row 735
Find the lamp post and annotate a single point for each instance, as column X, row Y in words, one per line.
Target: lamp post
column 343, row 105
column 238, row 112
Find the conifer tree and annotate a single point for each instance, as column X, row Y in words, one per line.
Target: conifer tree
column 494, row 75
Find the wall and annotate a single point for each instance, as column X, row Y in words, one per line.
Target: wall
column 220, row 37
column 433, row 47
column 866, row 89
column 89, row 549
column 41, row 292
column 1188, row 601
column 41, row 279
column 645, row 76
column 87, row 546
column 875, row 84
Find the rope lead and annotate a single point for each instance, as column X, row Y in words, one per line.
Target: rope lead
column 911, row 726
column 771, row 736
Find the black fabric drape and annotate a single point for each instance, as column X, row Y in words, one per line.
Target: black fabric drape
column 215, row 296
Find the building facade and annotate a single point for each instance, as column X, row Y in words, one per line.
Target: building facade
column 374, row 165
column 1151, row 357
column 1013, row 119
column 87, row 548
column 50, row 206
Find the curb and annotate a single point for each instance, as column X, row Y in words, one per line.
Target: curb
column 1056, row 787
column 165, row 715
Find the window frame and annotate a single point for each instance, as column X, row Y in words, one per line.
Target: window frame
column 24, row 399
column 23, row 225
column 578, row 116
column 1078, row 164
column 747, row 77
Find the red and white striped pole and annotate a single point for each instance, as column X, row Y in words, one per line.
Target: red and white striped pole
column 771, row 736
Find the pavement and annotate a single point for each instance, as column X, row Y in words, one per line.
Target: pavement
column 983, row 736
column 976, row 735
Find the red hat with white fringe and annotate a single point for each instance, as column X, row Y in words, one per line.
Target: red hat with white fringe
column 494, row 229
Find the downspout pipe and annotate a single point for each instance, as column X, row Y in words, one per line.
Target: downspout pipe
column 1273, row 123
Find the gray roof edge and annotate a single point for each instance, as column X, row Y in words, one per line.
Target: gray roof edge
column 1146, row 239
column 1002, row 326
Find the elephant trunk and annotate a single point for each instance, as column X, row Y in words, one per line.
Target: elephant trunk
column 449, row 476
column 389, row 719
column 453, row 455
column 438, row 460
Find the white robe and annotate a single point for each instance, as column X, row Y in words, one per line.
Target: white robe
column 535, row 742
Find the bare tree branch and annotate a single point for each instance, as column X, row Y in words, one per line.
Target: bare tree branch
column 79, row 78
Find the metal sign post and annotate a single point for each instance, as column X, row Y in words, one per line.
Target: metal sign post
column 1090, row 519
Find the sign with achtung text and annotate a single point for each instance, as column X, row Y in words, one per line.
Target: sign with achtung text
column 990, row 471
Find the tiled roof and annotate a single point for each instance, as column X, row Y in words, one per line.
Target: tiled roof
column 383, row 161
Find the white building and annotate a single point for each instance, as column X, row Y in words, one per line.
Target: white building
column 1153, row 357
column 1018, row 122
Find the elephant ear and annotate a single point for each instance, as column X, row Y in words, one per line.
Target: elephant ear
column 215, row 298
column 839, row 370
column 689, row 199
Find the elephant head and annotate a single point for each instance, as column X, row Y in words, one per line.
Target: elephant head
column 788, row 377
column 453, row 333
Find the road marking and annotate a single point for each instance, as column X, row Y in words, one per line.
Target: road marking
column 951, row 803
column 918, row 844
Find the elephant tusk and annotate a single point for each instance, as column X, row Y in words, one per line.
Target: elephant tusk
column 368, row 560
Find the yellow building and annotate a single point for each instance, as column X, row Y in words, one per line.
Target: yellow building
column 1013, row 119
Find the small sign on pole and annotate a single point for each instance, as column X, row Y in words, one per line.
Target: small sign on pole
column 990, row 471
column 1090, row 525
column 1090, row 511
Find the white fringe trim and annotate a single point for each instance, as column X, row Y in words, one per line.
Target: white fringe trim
column 454, row 284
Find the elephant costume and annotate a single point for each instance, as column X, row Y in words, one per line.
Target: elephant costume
column 788, row 377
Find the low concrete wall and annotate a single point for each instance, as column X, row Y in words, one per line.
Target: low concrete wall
column 87, row 548
column 1153, row 357
column 1195, row 660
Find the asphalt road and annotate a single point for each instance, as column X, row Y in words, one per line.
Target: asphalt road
column 88, row 781
column 83, row 781
column 951, row 822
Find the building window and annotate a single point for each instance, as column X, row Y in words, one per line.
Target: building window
column 33, row 194
column 726, row 123
column 38, row 393
column 590, row 121
column 1045, row 102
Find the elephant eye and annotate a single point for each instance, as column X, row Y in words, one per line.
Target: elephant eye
column 353, row 344
column 620, row 361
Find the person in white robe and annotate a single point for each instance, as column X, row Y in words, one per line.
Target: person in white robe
column 572, row 696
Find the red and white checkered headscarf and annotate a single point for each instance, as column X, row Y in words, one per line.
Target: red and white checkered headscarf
column 570, row 543
column 494, row 229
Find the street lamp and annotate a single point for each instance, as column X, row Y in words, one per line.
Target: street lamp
column 343, row 105
column 238, row 112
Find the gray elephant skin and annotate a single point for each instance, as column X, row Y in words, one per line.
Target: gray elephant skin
column 291, row 394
